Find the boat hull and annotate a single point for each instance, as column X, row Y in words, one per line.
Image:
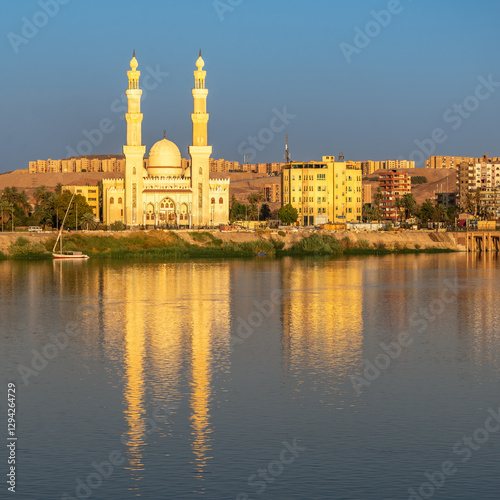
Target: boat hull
column 59, row 256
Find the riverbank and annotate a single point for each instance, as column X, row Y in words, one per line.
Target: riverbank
column 217, row 244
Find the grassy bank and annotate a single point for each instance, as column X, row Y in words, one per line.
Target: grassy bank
column 160, row 245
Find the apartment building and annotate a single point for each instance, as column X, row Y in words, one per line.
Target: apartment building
column 393, row 185
column 326, row 191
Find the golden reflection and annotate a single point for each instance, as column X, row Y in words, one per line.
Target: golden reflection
column 210, row 333
column 322, row 315
column 132, row 286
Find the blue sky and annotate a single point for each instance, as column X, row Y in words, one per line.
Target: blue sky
column 371, row 97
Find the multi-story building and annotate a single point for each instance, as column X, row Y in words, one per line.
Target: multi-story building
column 478, row 183
column 446, row 199
column 448, row 161
column 393, row 185
column 369, row 166
column 326, row 191
column 77, row 164
column 272, row 193
column 367, row 194
column 91, row 194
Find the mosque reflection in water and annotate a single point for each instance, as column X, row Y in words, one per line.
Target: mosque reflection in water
column 167, row 327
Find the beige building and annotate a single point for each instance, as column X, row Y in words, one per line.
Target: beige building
column 91, row 194
column 272, row 193
column 368, row 167
column 480, row 180
column 367, row 193
column 77, row 164
column 326, row 191
column 448, row 161
column 164, row 191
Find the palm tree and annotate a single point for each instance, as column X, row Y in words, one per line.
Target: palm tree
column 398, row 205
column 5, row 211
column 87, row 220
column 58, row 189
column 409, row 204
column 377, row 199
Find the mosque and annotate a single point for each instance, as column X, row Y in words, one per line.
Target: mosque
column 164, row 191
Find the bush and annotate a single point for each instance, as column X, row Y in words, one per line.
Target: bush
column 282, row 233
column 117, row 226
column 23, row 249
column 316, row 244
column 417, row 246
column 363, row 244
column 278, row 245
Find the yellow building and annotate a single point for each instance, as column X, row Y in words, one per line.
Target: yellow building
column 165, row 191
column 91, row 194
column 326, row 191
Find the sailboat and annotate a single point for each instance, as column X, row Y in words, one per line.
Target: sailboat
column 67, row 255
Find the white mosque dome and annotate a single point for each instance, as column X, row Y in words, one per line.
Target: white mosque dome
column 164, row 159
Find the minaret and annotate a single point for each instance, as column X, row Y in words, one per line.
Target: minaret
column 133, row 151
column 199, row 151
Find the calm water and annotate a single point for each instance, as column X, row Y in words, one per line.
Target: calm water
column 197, row 379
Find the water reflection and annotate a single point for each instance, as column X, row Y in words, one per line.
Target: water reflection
column 322, row 316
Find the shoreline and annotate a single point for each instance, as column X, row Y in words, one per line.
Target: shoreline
column 192, row 244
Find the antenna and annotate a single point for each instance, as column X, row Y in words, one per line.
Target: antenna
column 287, row 151
column 341, row 156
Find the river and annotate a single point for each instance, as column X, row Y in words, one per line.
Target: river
column 369, row 378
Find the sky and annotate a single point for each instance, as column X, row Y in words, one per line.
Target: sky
column 374, row 79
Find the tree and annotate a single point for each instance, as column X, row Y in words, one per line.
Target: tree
column 265, row 212
column 79, row 205
column 398, row 205
column 369, row 212
column 87, row 221
column 377, row 199
column 409, row 204
column 426, row 212
column 239, row 211
column 254, row 199
column 58, row 189
column 288, row 214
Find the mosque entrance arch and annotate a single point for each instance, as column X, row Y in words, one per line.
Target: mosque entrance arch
column 167, row 212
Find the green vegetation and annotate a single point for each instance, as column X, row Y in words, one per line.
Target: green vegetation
column 317, row 245
column 23, row 249
column 160, row 245
column 288, row 214
column 282, row 233
column 418, row 179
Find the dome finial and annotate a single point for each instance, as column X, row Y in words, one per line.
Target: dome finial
column 164, row 134
column 200, row 52
column 133, row 62
column 134, row 53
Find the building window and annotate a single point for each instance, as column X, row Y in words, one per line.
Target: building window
column 120, row 201
column 221, row 201
column 111, row 201
column 213, row 201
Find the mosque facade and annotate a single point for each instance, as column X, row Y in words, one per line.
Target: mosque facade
column 164, row 191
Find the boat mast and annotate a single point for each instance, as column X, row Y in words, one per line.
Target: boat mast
column 62, row 225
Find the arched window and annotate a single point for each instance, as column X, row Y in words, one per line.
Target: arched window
column 213, row 201
column 201, row 171
column 134, row 171
column 120, row 201
column 111, row 201
column 221, row 201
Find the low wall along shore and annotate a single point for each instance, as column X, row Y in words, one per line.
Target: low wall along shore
column 375, row 239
